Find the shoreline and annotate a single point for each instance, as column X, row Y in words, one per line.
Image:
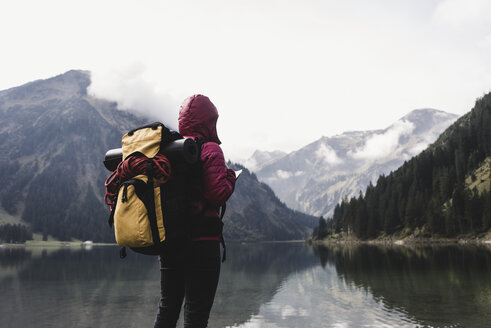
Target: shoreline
column 53, row 244
column 405, row 242
column 309, row 241
column 406, row 239
column 60, row 244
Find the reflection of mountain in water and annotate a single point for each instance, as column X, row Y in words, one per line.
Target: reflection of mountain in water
column 261, row 285
column 12, row 260
column 252, row 275
column 81, row 288
column 438, row 286
column 76, row 288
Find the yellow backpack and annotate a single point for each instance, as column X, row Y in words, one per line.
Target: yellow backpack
column 149, row 189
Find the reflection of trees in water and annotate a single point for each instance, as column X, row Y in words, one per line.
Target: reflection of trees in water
column 72, row 264
column 252, row 275
column 95, row 288
column 267, row 257
column 437, row 285
column 80, row 288
column 13, row 257
column 12, row 260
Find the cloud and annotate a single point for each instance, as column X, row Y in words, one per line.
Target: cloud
column 328, row 154
column 281, row 174
column 133, row 92
column 381, row 145
column 418, row 148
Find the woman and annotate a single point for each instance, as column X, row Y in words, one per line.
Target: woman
column 191, row 274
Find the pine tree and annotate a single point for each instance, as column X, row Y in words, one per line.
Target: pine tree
column 322, row 228
column 486, row 216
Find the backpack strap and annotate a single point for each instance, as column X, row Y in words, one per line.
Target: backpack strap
column 149, row 201
column 200, row 142
column 222, row 240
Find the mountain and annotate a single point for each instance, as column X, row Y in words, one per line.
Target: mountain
column 260, row 159
column 318, row 176
column 53, row 137
column 255, row 213
column 444, row 191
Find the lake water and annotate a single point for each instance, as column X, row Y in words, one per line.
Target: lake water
column 261, row 285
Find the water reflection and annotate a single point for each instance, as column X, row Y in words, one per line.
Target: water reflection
column 81, row 288
column 251, row 277
column 76, row 288
column 261, row 285
column 436, row 286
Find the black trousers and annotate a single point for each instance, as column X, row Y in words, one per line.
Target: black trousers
column 189, row 274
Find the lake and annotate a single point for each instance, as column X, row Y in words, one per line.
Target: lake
column 261, row 285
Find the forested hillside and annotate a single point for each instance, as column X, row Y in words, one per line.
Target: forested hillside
column 444, row 191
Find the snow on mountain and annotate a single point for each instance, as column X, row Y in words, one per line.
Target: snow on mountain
column 316, row 177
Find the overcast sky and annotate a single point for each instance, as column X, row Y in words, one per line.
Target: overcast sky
column 282, row 73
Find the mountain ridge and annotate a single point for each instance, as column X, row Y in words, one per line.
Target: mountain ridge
column 314, row 178
column 53, row 137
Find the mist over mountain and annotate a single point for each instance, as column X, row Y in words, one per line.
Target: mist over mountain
column 318, row 176
column 53, row 137
column 260, row 159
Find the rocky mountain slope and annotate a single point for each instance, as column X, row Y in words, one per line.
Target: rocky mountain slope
column 318, row 176
column 255, row 213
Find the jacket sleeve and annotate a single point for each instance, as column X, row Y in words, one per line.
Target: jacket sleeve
column 218, row 180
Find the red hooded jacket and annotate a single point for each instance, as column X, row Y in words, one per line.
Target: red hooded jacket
column 197, row 119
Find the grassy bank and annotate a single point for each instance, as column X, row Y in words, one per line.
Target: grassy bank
column 54, row 243
column 405, row 240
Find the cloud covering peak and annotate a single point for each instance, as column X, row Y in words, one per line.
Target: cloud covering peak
column 133, row 92
column 328, row 155
column 382, row 145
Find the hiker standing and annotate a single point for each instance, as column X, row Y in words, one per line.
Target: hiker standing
column 191, row 273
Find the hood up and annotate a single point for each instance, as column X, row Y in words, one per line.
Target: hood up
column 198, row 118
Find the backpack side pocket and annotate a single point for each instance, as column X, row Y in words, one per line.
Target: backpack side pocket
column 131, row 217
